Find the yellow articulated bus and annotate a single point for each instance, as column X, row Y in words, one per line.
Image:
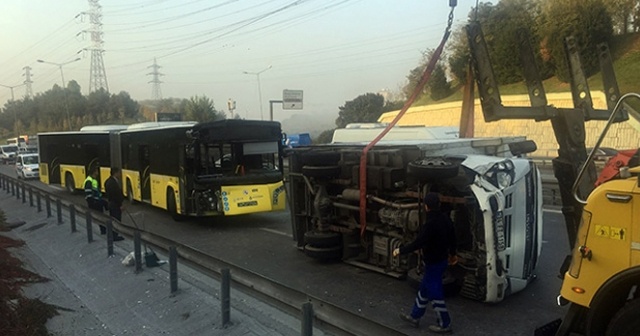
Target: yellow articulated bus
column 226, row 167
column 67, row 157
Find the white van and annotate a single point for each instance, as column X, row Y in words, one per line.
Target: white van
column 8, row 153
column 27, row 166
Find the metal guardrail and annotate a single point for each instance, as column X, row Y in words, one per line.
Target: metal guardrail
column 329, row 317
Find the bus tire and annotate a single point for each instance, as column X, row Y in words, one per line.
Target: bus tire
column 322, row 239
column 130, row 193
column 171, row 206
column 323, row 253
column 625, row 322
column 69, row 183
column 321, row 171
column 432, row 168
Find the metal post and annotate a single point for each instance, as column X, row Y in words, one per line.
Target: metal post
column 307, row 319
column 109, row 226
column 31, row 197
column 39, row 201
column 89, row 220
column 13, row 189
column 59, row 210
column 225, row 296
column 137, row 253
column 173, row 268
column 72, row 217
column 271, row 102
column 17, row 186
column 48, row 205
column 24, row 194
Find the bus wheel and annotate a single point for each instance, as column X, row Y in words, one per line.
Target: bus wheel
column 625, row 322
column 432, row 168
column 69, row 183
column 322, row 239
column 323, row 253
column 171, row 206
column 130, row 193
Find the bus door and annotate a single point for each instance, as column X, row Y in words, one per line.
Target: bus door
column 91, row 153
column 53, row 165
column 145, row 173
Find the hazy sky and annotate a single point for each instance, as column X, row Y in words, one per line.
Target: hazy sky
column 333, row 50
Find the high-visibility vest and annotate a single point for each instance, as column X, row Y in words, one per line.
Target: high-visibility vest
column 94, row 191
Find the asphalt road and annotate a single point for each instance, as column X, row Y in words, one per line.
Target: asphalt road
column 262, row 243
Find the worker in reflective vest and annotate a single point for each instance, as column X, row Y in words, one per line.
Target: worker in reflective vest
column 92, row 194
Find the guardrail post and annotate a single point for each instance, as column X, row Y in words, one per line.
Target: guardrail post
column 89, row 219
column 31, row 197
column 137, row 253
column 4, row 183
column 307, row 319
column 24, row 194
column 173, row 268
column 225, row 296
column 17, row 190
column 72, row 217
column 48, row 205
column 59, row 210
column 39, row 201
column 109, row 226
column 13, row 188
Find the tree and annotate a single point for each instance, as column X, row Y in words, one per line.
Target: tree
column 586, row 20
column 201, row 109
column 365, row 108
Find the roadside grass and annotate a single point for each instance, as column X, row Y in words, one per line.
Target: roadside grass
column 19, row 315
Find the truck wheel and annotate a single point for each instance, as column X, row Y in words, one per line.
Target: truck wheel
column 69, row 183
column 626, row 321
column 323, row 253
column 321, row 171
column 322, row 239
column 432, row 168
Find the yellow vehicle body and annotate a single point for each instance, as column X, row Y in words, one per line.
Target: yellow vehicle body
column 77, row 172
column 44, row 173
column 607, row 243
column 235, row 200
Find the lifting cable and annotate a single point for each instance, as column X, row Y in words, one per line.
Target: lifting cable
column 418, row 89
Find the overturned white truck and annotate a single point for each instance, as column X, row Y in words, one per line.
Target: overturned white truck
column 492, row 193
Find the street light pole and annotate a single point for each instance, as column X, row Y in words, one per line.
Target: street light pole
column 257, row 74
column 64, row 88
column 15, row 110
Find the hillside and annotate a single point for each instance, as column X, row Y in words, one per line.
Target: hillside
column 625, row 52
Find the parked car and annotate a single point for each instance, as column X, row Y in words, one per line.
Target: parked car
column 8, row 153
column 27, row 166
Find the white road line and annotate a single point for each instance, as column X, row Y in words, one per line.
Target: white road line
column 275, row 231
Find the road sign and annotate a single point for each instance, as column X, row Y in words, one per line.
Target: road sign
column 292, row 99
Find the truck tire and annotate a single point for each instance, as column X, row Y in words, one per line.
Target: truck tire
column 323, row 253
column 321, row 171
column 322, row 239
column 626, row 322
column 432, row 168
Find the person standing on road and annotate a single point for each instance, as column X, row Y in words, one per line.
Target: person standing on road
column 92, row 194
column 438, row 243
column 113, row 190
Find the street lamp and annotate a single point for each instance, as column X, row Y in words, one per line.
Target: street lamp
column 15, row 110
column 66, row 103
column 259, row 87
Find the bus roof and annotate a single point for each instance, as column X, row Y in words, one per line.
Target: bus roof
column 160, row 124
column 102, row 128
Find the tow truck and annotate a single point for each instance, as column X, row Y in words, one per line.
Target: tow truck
column 602, row 274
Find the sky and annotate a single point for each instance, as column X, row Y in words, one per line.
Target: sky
column 332, row 50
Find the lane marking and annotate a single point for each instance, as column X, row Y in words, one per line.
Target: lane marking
column 275, row 231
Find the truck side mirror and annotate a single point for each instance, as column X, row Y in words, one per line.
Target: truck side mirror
column 523, row 147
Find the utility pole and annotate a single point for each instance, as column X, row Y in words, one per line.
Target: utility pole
column 98, row 76
column 156, row 91
column 28, row 81
column 257, row 74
